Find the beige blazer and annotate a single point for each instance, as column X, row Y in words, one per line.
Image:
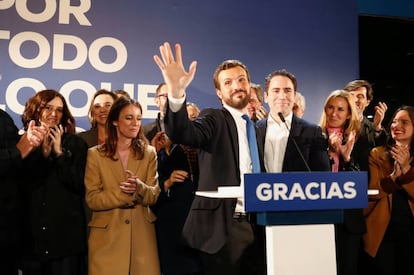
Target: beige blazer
column 122, row 235
column 378, row 213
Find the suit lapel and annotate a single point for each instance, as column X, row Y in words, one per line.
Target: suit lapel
column 231, row 126
column 295, row 130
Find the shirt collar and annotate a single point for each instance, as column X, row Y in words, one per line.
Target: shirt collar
column 288, row 119
column 233, row 111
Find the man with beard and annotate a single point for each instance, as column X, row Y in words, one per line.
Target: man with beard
column 217, row 225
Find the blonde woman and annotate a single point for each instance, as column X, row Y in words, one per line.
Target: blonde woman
column 340, row 125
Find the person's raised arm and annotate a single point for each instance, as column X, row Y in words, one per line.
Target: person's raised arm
column 172, row 69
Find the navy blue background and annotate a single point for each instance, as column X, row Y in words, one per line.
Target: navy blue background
column 315, row 40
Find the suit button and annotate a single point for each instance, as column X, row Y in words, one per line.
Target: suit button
column 127, row 221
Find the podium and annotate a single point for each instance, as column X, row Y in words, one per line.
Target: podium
column 299, row 210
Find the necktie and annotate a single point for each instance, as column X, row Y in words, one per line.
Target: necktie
column 251, row 139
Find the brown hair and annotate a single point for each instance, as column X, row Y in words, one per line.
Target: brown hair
column 138, row 144
column 282, row 72
column 353, row 85
column 410, row 111
column 36, row 104
column 228, row 64
column 90, row 112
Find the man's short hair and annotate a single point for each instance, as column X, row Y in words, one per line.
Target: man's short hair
column 355, row 84
column 282, row 72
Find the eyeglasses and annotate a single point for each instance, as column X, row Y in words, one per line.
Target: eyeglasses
column 163, row 96
column 50, row 109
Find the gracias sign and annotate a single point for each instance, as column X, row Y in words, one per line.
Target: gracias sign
column 293, row 191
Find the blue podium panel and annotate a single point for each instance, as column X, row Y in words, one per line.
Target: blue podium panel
column 304, row 191
column 300, row 217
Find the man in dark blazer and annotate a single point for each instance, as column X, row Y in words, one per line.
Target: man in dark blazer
column 288, row 143
column 13, row 149
column 280, row 89
column 217, row 225
column 372, row 134
column 152, row 128
column 371, row 131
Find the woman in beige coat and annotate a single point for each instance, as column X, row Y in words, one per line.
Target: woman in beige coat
column 121, row 182
column 390, row 214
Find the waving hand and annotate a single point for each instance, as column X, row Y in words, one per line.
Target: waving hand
column 172, row 69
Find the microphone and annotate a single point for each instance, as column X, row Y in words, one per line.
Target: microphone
column 294, row 142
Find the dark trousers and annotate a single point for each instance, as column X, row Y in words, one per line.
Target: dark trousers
column 348, row 248
column 244, row 253
column 394, row 257
column 70, row 265
column 8, row 264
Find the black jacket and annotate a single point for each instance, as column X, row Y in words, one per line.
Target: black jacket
column 53, row 190
column 10, row 168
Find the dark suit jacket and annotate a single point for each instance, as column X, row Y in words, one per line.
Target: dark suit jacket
column 214, row 133
column 367, row 140
column 90, row 137
column 151, row 129
column 172, row 208
column 310, row 142
column 10, row 168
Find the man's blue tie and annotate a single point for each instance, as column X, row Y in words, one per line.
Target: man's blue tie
column 251, row 138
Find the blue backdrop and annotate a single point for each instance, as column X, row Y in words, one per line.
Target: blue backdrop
column 80, row 46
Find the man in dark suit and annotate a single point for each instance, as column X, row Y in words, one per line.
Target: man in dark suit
column 151, row 129
column 13, row 149
column 277, row 146
column 372, row 134
column 288, row 143
column 371, row 131
column 217, row 225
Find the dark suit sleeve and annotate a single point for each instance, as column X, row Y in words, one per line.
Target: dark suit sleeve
column 319, row 159
column 9, row 154
column 196, row 133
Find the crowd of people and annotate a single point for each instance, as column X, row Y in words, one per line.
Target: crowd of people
column 126, row 198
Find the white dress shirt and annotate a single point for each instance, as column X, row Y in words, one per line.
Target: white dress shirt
column 276, row 140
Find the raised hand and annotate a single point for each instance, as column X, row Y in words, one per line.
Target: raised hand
column 53, row 141
column 261, row 113
column 380, row 110
column 172, row 69
column 335, row 144
column 401, row 155
column 158, row 141
column 55, row 135
column 35, row 134
column 347, row 148
column 31, row 139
